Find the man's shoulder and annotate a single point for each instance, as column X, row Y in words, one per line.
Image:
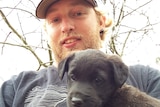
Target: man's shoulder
column 145, row 78
column 139, row 69
column 138, row 73
column 32, row 75
column 36, row 86
column 42, row 77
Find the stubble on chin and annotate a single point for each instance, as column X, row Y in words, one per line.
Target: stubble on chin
column 61, row 54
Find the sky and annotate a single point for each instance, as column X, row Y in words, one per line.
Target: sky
column 14, row 60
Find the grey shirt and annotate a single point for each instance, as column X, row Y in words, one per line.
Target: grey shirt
column 45, row 89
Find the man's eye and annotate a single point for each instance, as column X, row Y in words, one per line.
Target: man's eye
column 76, row 14
column 55, row 20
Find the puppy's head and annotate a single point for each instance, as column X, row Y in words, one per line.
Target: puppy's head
column 92, row 77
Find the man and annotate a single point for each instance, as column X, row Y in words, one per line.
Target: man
column 71, row 25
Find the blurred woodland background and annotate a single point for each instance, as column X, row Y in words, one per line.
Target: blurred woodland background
column 135, row 35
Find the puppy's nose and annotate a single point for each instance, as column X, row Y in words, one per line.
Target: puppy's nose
column 77, row 101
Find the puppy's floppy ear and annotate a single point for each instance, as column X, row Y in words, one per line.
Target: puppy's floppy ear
column 63, row 66
column 121, row 70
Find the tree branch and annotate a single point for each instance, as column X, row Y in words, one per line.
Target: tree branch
column 26, row 46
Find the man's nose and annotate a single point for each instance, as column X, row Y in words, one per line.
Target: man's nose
column 67, row 25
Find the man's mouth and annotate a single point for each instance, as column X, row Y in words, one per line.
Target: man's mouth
column 69, row 41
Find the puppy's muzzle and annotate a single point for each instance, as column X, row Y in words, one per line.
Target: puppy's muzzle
column 77, row 102
column 82, row 98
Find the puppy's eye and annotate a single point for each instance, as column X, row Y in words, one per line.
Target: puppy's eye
column 73, row 77
column 98, row 80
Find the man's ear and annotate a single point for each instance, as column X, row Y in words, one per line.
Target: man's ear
column 102, row 21
column 120, row 71
column 63, row 66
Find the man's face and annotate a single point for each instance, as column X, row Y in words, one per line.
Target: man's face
column 72, row 25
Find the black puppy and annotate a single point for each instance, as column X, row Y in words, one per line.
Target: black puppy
column 93, row 77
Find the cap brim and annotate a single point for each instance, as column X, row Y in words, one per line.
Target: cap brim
column 45, row 4
column 42, row 8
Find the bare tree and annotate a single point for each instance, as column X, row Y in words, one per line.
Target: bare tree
column 22, row 34
column 123, row 32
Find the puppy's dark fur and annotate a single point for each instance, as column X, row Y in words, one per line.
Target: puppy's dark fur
column 97, row 80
